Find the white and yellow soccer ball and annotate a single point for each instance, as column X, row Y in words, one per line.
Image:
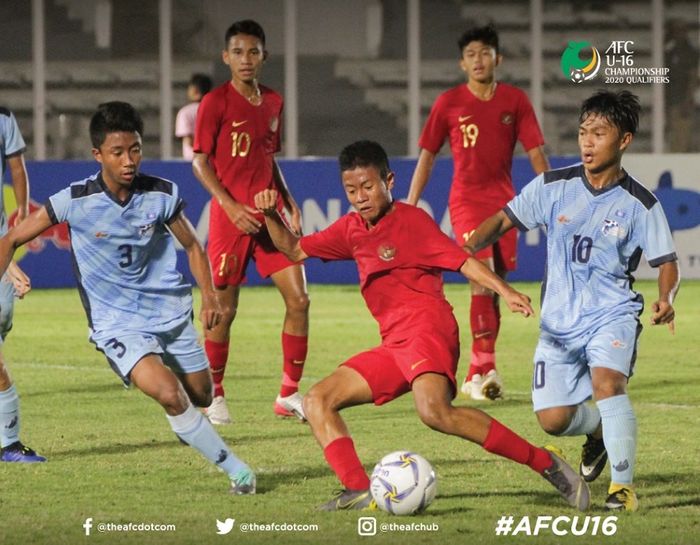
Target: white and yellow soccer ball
column 403, row 483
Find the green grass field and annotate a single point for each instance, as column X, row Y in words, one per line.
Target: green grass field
column 113, row 457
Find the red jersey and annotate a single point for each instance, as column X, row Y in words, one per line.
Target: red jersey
column 240, row 139
column 482, row 138
column 400, row 262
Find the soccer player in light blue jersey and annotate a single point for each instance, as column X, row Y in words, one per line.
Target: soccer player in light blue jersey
column 139, row 307
column 13, row 284
column 599, row 222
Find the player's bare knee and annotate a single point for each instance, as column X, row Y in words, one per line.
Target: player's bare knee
column 434, row 415
column 298, row 305
column 313, row 403
column 228, row 314
column 202, row 398
column 553, row 422
column 172, row 400
column 608, row 389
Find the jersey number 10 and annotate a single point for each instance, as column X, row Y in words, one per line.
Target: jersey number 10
column 240, row 144
column 581, row 251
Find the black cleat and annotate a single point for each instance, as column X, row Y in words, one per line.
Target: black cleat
column 593, row 458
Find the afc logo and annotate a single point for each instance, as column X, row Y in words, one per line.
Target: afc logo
column 620, row 53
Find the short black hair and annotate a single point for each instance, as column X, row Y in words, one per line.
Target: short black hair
column 620, row 109
column 114, row 117
column 365, row 153
column 484, row 34
column 246, row 26
column 202, row 82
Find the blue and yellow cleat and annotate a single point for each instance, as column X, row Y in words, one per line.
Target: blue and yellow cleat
column 17, row 452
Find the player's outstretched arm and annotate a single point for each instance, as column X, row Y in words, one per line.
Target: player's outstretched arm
column 488, row 232
column 473, row 269
column 289, row 202
column 182, row 230
column 285, row 241
column 240, row 214
column 669, row 282
column 421, row 175
column 35, row 224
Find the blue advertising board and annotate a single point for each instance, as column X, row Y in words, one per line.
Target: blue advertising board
column 316, row 186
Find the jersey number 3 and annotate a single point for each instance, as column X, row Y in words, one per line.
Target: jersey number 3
column 126, row 258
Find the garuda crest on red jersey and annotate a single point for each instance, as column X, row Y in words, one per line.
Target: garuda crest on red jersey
column 386, row 251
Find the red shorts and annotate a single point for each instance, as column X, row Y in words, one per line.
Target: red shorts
column 390, row 369
column 230, row 251
column 504, row 251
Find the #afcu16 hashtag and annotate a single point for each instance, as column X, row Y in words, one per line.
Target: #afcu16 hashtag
column 559, row 526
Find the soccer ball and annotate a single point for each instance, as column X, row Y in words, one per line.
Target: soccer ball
column 577, row 76
column 403, row 483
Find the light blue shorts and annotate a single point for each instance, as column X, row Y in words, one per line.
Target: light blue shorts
column 562, row 375
column 7, row 305
column 179, row 348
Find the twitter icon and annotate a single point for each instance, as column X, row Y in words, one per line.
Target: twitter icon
column 224, row 527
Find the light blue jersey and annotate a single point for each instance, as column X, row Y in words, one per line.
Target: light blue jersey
column 11, row 142
column 124, row 257
column 595, row 239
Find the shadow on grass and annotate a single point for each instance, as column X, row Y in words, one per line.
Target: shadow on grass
column 79, row 389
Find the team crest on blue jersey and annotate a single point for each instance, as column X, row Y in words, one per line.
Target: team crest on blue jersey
column 386, row 252
column 613, row 229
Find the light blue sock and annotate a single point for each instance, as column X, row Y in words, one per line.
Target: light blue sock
column 620, row 436
column 198, row 432
column 9, row 416
column 585, row 420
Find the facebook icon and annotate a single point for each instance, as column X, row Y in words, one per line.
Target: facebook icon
column 87, row 525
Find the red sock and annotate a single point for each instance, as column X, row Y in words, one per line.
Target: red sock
column 485, row 322
column 218, row 355
column 341, row 456
column 505, row 442
column 294, row 348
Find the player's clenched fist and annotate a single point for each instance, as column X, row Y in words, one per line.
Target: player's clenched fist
column 266, row 201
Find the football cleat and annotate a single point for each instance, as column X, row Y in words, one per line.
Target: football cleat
column 17, row 452
column 243, row 483
column 351, row 500
column 290, row 406
column 621, row 498
column 484, row 387
column 593, row 458
column 564, row 478
column 217, row 412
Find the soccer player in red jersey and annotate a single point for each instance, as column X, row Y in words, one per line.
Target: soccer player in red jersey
column 236, row 136
column 482, row 120
column 401, row 282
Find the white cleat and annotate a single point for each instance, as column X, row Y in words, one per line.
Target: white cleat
column 481, row 388
column 217, row 412
column 290, row 406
